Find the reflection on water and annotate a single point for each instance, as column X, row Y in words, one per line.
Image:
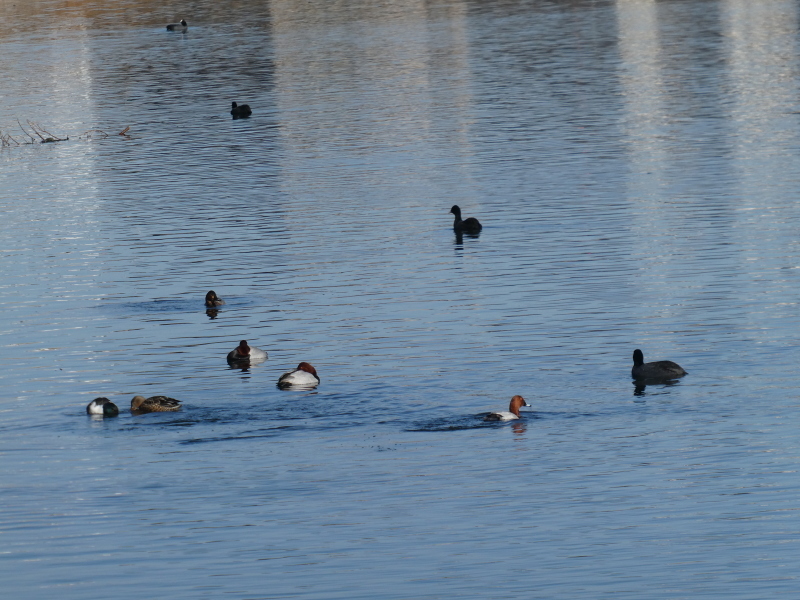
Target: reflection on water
column 519, row 428
column 640, row 386
column 461, row 235
column 635, row 167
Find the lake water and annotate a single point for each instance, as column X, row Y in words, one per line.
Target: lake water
column 636, row 167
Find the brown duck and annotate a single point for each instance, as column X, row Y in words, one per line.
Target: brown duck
column 154, row 404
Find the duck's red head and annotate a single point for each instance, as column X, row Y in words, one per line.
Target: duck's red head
column 516, row 403
column 304, row 366
column 243, row 348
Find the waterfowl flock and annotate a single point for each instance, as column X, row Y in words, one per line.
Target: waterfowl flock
column 238, row 111
column 305, row 376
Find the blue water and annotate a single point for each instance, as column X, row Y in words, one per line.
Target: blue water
column 635, row 168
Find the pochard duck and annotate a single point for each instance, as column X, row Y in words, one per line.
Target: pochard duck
column 659, row 370
column 304, row 376
column 102, row 406
column 177, row 26
column 213, row 300
column 243, row 352
column 468, row 225
column 240, row 112
column 154, row 404
column 511, row 414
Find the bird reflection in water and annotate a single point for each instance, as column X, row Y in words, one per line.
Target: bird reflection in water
column 519, row 428
column 212, row 313
column 461, row 235
column 640, row 385
column 239, row 365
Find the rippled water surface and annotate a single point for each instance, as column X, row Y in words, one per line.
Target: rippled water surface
column 635, row 165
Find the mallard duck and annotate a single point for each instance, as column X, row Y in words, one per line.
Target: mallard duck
column 154, row 404
column 102, row 406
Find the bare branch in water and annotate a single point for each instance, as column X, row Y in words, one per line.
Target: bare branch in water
column 39, row 130
column 7, row 140
column 87, row 135
column 28, row 135
column 34, row 130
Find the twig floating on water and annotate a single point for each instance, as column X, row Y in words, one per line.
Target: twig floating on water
column 39, row 130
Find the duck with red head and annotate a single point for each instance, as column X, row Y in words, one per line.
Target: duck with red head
column 468, row 225
column 303, row 377
column 245, row 353
column 511, row 414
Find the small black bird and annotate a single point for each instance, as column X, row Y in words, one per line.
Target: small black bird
column 468, row 225
column 240, row 112
column 177, row 26
column 659, row 370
